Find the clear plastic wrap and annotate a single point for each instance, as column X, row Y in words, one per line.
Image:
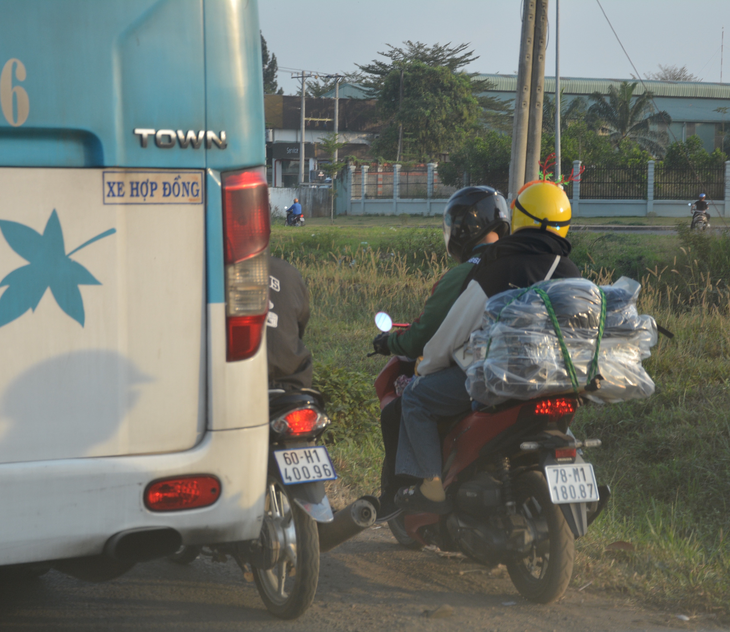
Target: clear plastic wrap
column 519, row 355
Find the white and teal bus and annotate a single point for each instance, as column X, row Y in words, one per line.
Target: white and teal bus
column 134, row 227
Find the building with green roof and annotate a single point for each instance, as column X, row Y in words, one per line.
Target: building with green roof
column 696, row 107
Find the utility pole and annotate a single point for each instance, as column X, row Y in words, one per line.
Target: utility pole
column 557, row 91
column 337, row 114
column 303, row 77
column 400, row 126
column 527, row 128
column 522, row 100
column 537, row 92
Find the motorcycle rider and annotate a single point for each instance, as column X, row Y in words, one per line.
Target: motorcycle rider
column 699, row 208
column 473, row 218
column 290, row 362
column 293, row 213
column 535, row 251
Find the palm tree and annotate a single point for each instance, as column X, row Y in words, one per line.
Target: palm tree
column 570, row 113
column 622, row 119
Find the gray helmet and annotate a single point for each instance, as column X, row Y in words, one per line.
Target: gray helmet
column 471, row 213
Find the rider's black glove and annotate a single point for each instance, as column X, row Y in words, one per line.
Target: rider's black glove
column 380, row 344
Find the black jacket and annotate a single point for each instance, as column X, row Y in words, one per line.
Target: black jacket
column 522, row 259
column 290, row 362
column 519, row 260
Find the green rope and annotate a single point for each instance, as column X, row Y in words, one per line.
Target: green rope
column 561, row 341
column 593, row 370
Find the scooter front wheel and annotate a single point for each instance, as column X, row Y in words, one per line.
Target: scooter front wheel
column 288, row 588
column 544, row 573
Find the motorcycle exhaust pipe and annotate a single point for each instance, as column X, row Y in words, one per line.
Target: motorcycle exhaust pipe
column 348, row 522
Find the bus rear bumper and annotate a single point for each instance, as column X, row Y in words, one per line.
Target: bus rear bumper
column 70, row 508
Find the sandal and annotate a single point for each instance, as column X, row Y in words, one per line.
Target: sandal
column 412, row 500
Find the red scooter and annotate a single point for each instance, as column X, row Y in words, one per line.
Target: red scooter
column 521, row 491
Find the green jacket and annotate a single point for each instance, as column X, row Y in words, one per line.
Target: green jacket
column 410, row 342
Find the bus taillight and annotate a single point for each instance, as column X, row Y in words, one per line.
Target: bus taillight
column 246, row 230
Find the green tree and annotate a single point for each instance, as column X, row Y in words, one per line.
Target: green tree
column 329, row 145
column 624, row 116
column 377, row 71
column 569, row 112
column 436, row 109
column 270, row 68
column 691, row 154
column 482, row 159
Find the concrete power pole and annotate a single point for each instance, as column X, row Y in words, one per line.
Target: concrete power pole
column 303, row 77
column 337, row 114
column 557, row 91
column 527, row 128
column 522, row 100
column 537, row 92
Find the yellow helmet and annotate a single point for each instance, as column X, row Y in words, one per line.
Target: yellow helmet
column 541, row 204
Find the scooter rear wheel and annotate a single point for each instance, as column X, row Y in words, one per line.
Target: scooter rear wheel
column 289, row 587
column 544, row 573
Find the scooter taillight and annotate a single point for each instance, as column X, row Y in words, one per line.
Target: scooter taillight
column 301, row 422
column 555, row 407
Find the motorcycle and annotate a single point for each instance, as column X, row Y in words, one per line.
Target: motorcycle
column 298, row 521
column 519, row 485
column 293, row 220
column 700, row 219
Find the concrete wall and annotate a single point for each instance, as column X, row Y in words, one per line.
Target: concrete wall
column 315, row 201
column 281, row 199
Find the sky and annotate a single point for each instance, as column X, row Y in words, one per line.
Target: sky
column 331, row 36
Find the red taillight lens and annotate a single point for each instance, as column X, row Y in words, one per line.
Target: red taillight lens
column 302, row 421
column 565, row 453
column 556, row 407
column 245, row 215
column 246, row 230
column 187, row 492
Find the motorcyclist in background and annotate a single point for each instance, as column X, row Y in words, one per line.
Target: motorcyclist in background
column 699, row 207
column 293, row 213
column 473, row 218
column 537, row 250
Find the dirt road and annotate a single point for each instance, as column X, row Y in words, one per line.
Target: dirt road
column 369, row 584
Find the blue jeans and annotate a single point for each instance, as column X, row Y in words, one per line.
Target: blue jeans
column 427, row 400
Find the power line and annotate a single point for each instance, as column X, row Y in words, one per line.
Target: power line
column 656, row 108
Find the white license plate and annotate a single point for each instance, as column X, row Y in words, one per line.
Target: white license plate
column 575, row 483
column 304, row 465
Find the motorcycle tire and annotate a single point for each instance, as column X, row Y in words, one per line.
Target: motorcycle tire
column 397, row 527
column 288, row 588
column 544, row 574
column 185, row 555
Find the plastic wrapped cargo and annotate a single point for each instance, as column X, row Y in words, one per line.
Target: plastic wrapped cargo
column 565, row 335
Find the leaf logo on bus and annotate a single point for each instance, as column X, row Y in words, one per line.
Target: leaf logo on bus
column 48, row 267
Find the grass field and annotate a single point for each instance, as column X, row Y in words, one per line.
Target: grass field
column 667, row 459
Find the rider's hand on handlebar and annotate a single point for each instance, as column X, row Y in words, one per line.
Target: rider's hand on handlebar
column 380, row 344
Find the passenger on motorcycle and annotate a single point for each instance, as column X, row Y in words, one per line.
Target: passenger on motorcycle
column 473, row 218
column 535, row 251
column 290, row 362
column 699, row 208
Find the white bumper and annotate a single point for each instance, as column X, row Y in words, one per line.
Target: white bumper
column 69, row 508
